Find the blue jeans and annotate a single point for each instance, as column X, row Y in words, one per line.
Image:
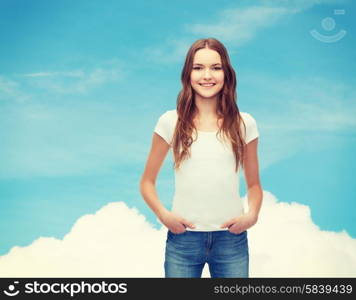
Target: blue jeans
column 226, row 254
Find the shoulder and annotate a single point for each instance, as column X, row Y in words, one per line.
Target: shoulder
column 166, row 124
column 169, row 115
column 250, row 125
column 172, row 113
column 247, row 117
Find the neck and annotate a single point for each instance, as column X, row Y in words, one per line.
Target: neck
column 205, row 107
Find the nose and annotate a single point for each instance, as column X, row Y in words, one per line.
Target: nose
column 207, row 74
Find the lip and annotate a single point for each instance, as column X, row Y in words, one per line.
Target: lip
column 207, row 86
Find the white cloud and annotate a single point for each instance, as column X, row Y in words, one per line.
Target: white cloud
column 11, row 90
column 311, row 103
column 93, row 138
column 240, row 24
column 236, row 25
column 75, row 73
column 118, row 242
column 302, row 109
column 77, row 81
column 286, row 243
column 300, row 5
column 173, row 50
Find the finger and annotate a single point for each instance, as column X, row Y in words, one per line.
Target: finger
column 237, row 228
column 227, row 224
column 187, row 224
column 179, row 228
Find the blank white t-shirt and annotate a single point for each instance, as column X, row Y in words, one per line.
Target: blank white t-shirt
column 206, row 185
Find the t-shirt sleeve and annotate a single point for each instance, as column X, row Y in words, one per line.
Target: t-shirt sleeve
column 164, row 127
column 251, row 128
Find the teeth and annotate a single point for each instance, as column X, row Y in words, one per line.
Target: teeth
column 210, row 84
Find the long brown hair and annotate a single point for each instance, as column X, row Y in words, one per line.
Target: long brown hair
column 227, row 109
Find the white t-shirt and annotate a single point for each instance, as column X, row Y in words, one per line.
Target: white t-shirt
column 207, row 191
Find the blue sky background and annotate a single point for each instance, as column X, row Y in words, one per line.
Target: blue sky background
column 82, row 84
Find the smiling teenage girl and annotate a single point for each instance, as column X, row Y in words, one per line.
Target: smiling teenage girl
column 211, row 140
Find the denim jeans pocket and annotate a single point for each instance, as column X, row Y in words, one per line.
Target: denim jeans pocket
column 175, row 234
column 238, row 234
column 172, row 236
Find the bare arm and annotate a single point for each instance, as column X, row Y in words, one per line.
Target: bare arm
column 148, row 191
column 251, row 170
column 158, row 153
column 254, row 191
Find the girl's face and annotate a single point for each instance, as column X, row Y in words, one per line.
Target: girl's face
column 207, row 76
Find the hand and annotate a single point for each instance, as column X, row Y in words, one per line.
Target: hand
column 241, row 223
column 175, row 223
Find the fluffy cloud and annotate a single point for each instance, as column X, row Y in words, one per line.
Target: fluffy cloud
column 77, row 81
column 240, row 24
column 236, row 25
column 11, row 91
column 286, row 243
column 119, row 242
column 115, row 241
column 93, row 139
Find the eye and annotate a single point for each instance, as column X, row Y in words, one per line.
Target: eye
column 217, row 68
column 196, row 68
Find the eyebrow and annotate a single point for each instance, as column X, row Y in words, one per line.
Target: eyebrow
column 203, row 65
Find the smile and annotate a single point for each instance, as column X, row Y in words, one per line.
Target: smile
column 206, row 84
